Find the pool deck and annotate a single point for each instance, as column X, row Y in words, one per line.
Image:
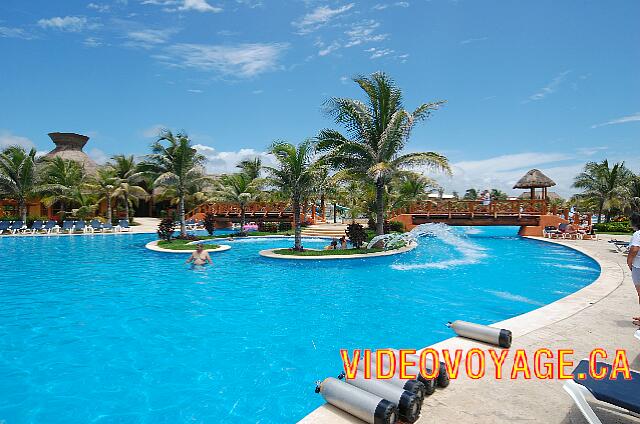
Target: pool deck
column 598, row 315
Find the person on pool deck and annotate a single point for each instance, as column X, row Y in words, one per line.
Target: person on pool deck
column 633, row 258
column 343, row 243
column 200, row 256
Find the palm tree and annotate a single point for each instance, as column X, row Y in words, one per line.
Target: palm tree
column 251, row 167
column 104, row 184
column 174, row 164
column 634, row 194
column 68, row 176
column 497, row 194
column 376, row 134
column 129, row 178
column 237, row 188
column 294, row 175
column 19, row 180
column 409, row 188
column 470, row 194
column 603, row 187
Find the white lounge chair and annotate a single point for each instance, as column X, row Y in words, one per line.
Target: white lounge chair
column 622, row 394
column 637, row 334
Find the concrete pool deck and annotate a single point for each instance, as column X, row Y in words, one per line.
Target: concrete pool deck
column 598, row 315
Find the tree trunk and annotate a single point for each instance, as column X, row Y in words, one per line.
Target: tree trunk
column 22, row 206
column 322, row 205
column 335, row 213
column 296, row 224
column 183, row 226
column 126, row 206
column 109, row 218
column 379, row 207
column 242, row 218
column 600, row 211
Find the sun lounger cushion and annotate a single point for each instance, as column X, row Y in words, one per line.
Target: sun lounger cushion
column 619, row 392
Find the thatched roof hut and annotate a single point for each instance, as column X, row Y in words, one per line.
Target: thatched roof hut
column 535, row 179
column 69, row 146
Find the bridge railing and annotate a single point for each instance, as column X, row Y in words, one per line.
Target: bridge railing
column 476, row 207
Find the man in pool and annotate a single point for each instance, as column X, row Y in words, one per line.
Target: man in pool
column 200, row 256
column 633, row 258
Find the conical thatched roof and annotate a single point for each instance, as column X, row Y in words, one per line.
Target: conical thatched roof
column 534, row 179
column 69, row 146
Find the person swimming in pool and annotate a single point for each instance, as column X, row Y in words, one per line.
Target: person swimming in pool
column 200, row 256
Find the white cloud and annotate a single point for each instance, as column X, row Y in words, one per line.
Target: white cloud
column 383, row 6
column 67, row 23
column 631, row 118
column 195, row 91
column 98, row 156
column 7, row 32
column 7, row 139
column 319, row 17
column 364, row 32
column 199, row 6
column 184, row 5
column 153, row 131
column 148, row 38
column 503, row 171
column 326, row 49
column 242, row 60
column 92, row 42
column 378, row 53
column 99, row 7
column 225, row 162
column 549, row 88
column 473, row 40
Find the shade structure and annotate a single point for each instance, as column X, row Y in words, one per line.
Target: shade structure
column 69, row 146
column 534, row 179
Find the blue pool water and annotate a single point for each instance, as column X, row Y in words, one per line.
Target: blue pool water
column 99, row 329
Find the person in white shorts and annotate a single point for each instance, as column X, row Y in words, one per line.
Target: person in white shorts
column 633, row 258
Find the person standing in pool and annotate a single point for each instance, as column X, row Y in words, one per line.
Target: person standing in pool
column 343, row 243
column 200, row 256
column 633, row 258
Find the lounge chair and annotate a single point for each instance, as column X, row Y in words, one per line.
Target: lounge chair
column 50, row 227
column 80, row 226
column 637, row 334
column 67, row 226
column 550, row 231
column 190, row 224
column 123, row 225
column 16, row 227
column 621, row 393
column 107, row 226
column 95, row 226
column 35, row 227
column 621, row 246
column 4, row 226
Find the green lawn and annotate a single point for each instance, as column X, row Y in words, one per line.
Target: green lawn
column 346, row 252
column 182, row 245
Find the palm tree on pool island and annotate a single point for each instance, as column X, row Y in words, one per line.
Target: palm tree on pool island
column 376, row 133
column 294, row 175
column 176, row 165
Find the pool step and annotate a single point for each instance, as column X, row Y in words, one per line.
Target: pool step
column 325, row 230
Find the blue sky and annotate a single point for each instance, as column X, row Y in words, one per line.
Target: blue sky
column 542, row 84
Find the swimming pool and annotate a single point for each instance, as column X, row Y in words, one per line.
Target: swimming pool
column 100, row 329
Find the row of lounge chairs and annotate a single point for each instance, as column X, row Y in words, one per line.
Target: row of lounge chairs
column 568, row 231
column 68, row 226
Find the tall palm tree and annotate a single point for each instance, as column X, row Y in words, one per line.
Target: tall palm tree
column 104, row 184
column 603, row 187
column 470, row 194
column 251, row 167
column 19, row 179
column 294, row 175
column 377, row 132
column 129, row 178
column 175, row 164
column 68, row 176
column 239, row 188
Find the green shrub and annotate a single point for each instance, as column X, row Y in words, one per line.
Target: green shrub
column 209, row 223
column 268, row 227
column 613, row 227
column 284, row 226
column 395, row 227
column 165, row 229
column 357, row 235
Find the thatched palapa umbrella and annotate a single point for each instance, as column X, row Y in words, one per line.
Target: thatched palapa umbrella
column 535, row 179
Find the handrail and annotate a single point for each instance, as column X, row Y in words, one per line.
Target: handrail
column 476, row 207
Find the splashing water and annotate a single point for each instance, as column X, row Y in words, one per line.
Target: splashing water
column 471, row 253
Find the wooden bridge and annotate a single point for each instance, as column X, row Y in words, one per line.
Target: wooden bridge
column 474, row 212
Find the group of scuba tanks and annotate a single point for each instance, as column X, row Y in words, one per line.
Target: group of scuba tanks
column 396, row 399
